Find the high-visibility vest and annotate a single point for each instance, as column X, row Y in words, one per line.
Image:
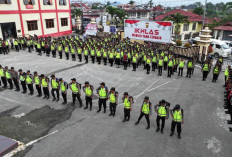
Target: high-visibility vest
column 112, row 98
column 181, row 64
column 148, row 61
column 16, row 43
column 29, row 79
column 154, row 59
column 66, row 49
column 44, row 83
column 104, row 54
column 8, row 76
column 162, row 54
column 127, row 103
column 54, row 84
column 177, row 116
column 22, row 78
column 73, row 51
column 160, row 62
column 227, row 72
column 166, row 59
column 134, row 59
column 102, row 93
column 79, row 51
column 88, row 91
column 28, row 43
column 170, row 63
column 59, row 48
column 162, row 111
column 111, row 55
column 92, row 53
column 1, row 73
column 122, row 54
column 216, row 70
column 37, row 81
column 144, row 58
column 176, row 61
column 118, row 55
column 43, row 44
column 74, row 88
column 129, row 56
column 7, row 43
column 99, row 53
column 86, row 52
column 38, row 46
column 52, row 47
column 145, row 108
column 206, row 67
column 190, row 64
column 62, row 86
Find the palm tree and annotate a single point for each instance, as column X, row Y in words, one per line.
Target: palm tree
column 150, row 3
column 77, row 12
column 177, row 20
column 112, row 11
column 121, row 14
column 131, row 2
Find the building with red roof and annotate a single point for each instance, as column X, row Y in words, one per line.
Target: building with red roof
column 223, row 32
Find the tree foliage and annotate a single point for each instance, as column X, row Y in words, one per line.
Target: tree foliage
column 199, row 11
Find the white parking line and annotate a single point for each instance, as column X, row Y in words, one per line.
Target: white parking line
column 161, row 85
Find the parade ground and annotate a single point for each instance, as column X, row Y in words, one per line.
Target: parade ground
column 50, row 129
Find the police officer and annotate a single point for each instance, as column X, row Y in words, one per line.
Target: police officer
column 170, row 67
column 8, row 77
column 148, row 64
column 102, row 92
column 177, row 115
column 162, row 110
column 160, row 66
column 45, row 85
column 16, row 44
column 205, row 69
column 88, row 89
column 64, row 87
column 127, row 101
column 3, row 77
column 29, row 81
column 181, row 67
column 22, row 78
column 227, row 73
column 37, row 81
column 146, row 111
column 55, row 88
column 15, row 77
column 113, row 97
column 216, row 72
column 134, row 62
column 76, row 92
column 189, row 68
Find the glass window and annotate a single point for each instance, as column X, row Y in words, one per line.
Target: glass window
column 29, row 2
column 47, row 2
column 49, row 23
column 218, row 46
column 62, row 2
column 186, row 27
column 5, row 1
column 64, row 21
column 194, row 26
column 32, row 25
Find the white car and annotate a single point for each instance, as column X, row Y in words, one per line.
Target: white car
column 220, row 48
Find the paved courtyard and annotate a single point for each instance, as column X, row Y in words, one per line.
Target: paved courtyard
column 77, row 132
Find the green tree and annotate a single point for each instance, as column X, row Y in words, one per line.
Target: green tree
column 198, row 4
column 177, row 20
column 150, row 3
column 131, row 2
column 76, row 12
column 94, row 6
column 121, row 14
column 112, row 11
column 199, row 11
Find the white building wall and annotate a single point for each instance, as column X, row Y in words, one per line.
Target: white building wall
column 12, row 6
column 48, row 7
column 64, row 15
column 30, row 17
column 49, row 16
column 23, row 6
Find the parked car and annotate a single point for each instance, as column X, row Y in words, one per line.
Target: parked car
column 220, row 48
column 230, row 45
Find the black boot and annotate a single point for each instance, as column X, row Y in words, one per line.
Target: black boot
column 172, row 133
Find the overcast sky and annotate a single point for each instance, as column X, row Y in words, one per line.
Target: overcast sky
column 162, row 2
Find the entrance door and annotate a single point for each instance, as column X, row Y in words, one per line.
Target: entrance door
column 8, row 30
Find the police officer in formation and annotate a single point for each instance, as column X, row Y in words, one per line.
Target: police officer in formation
column 88, row 90
column 55, row 88
column 76, row 92
column 177, row 115
column 113, row 97
column 102, row 92
column 127, row 101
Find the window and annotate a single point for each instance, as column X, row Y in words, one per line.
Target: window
column 218, row 46
column 5, row 1
column 186, row 27
column 64, row 21
column 32, row 25
column 62, row 2
column 29, row 2
column 143, row 14
column 50, row 23
column 47, row 2
column 132, row 14
column 194, row 26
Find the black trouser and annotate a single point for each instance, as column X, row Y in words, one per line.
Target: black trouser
column 126, row 114
column 189, row 72
column 46, row 92
column 180, row 72
column 165, row 65
column 60, row 53
column 134, row 66
column 30, row 87
column 99, row 60
column 43, row 49
column 4, row 51
column 57, row 93
column 17, row 48
column 64, row 97
column 205, row 74
column 80, row 57
column 148, row 68
column 29, row 48
column 178, row 127
column 73, row 57
column 93, row 59
column 77, row 95
column 88, row 101
column 154, row 66
column 215, row 77
column 160, row 70
column 87, row 59
column 54, row 53
column 144, row 65
column 39, row 52
column 146, row 116
column 169, row 71
column 16, row 82
column 67, row 55
column 129, row 62
column 105, row 61
column 10, row 83
column 111, row 61
column 38, row 88
column 35, row 47
column 113, row 108
column 23, row 83
column 102, row 102
column 125, row 64
column 158, row 122
column 20, row 46
column 32, row 47
column 118, row 61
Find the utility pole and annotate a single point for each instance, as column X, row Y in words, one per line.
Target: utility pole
column 204, row 15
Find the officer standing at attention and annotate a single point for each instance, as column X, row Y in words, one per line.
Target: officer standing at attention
column 22, row 78
column 29, row 81
column 205, row 69
column 146, row 111
column 37, row 81
column 3, row 77
column 64, row 87
column 15, row 78
column 102, row 92
column 189, row 68
column 148, row 64
column 113, row 96
column 8, row 77
column 162, row 110
column 76, row 92
column 226, row 73
column 134, row 62
column 181, row 67
column 128, row 101
column 45, row 85
column 160, row 66
column 177, row 118
column 55, row 88
column 216, row 72
column 170, row 67
column 88, row 89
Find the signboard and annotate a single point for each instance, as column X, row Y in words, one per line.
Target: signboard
column 155, row 31
column 113, row 29
column 29, row 6
column 91, row 29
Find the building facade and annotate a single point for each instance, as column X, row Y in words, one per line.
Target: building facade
column 223, row 32
column 39, row 17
